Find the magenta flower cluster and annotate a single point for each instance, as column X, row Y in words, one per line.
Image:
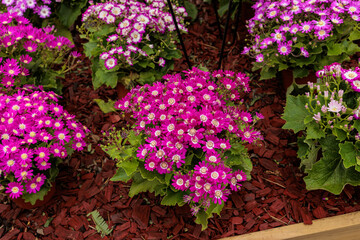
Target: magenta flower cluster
column 34, row 131
column 134, row 22
column 186, row 114
column 26, row 44
column 278, row 24
column 19, row 7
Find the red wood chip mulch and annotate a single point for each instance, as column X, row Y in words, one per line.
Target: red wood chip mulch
column 275, row 196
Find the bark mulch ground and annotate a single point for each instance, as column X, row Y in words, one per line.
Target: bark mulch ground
column 275, row 196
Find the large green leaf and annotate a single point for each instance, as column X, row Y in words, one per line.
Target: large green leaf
column 33, row 197
column 329, row 172
column 106, row 107
column 335, row 49
column 90, row 49
column 295, row 113
column 354, row 35
column 140, row 184
column 300, row 72
column 202, row 218
column 120, row 175
column 172, row 198
column 348, row 153
column 130, row 166
column 191, row 10
column 110, row 79
column 267, row 73
column 314, row 131
column 68, row 15
column 307, row 152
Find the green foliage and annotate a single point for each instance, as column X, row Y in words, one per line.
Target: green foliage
column 329, row 148
column 329, row 173
column 131, row 167
column 338, row 47
column 295, row 113
column 191, row 10
column 69, row 11
column 33, row 197
column 203, row 216
column 137, row 69
column 106, row 107
column 101, row 226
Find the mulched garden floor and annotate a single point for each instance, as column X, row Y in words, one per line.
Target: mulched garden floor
column 275, row 196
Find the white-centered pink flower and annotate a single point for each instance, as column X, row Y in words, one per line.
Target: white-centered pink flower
column 334, row 106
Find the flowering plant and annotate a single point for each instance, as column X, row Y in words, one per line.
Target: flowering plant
column 328, row 114
column 187, row 140
column 36, row 133
column 130, row 41
column 302, row 35
column 26, row 50
column 41, row 8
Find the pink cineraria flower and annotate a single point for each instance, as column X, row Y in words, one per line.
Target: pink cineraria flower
column 14, row 189
column 110, row 63
column 32, row 186
column 186, row 115
column 334, row 106
column 284, row 48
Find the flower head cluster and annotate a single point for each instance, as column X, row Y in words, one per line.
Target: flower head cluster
column 331, row 101
column 292, row 28
column 22, row 45
column 187, row 115
column 133, row 24
column 35, row 131
column 41, row 8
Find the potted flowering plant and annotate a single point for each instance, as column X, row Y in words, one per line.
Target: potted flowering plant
column 328, row 115
column 186, row 143
column 130, row 41
column 302, row 35
column 36, row 134
column 31, row 55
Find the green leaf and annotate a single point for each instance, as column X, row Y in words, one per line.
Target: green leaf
column 100, row 224
column 352, row 48
column 106, row 107
column 348, row 153
column 120, row 175
column 172, row 198
column 314, row 131
column 329, row 173
column 354, row 35
column 357, row 125
column 140, row 184
column 33, row 197
column 135, row 139
column 189, row 158
column 202, row 218
column 68, row 15
column 89, row 49
column 335, row 49
column 148, row 50
column 191, row 10
column 129, row 166
column 267, row 73
column 340, row 134
column 295, row 113
column 151, row 176
column 214, row 208
column 300, row 72
column 102, row 77
column 146, row 77
column 308, row 152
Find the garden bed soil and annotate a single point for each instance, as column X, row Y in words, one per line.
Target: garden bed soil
column 275, row 196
